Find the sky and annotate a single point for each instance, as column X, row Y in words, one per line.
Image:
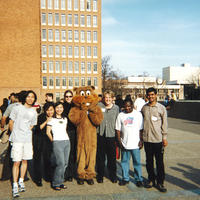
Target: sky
column 148, row 35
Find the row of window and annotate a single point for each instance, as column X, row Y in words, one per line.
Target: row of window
column 61, row 51
column 61, row 67
column 60, row 35
column 71, row 4
column 60, row 19
column 63, row 82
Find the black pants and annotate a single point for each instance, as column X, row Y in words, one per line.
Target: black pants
column 106, row 147
column 155, row 150
column 70, row 171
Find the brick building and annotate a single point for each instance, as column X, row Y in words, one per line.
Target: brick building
column 49, row 46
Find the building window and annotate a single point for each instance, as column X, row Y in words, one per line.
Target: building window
column 89, row 67
column 69, row 20
column 44, row 51
column 43, row 4
column 64, row 82
column 82, row 36
column 56, row 4
column 63, row 36
column 50, row 4
column 88, row 5
column 76, row 81
column 57, row 82
column 63, row 6
column 89, row 81
column 76, row 36
column 88, row 20
column 94, row 21
column 44, row 82
column 95, row 36
column 51, row 82
column 82, row 20
column 56, row 19
column 76, row 51
column 44, row 35
column 57, row 67
column 70, row 36
column 50, row 51
column 82, row 5
column 50, row 66
column 95, row 52
column 50, row 19
column 70, row 51
column 70, row 82
column 89, row 51
column 95, row 82
column 82, row 81
column 64, row 52
column 94, row 5
column 76, row 20
column 70, row 67
column 44, row 67
column 75, row 4
column 63, row 67
column 89, row 36
column 95, row 67
column 43, row 18
column 57, row 96
column 69, row 3
column 82, row 52
column 63, row 20
column 82, row 67
column 76, row 67
column 57, row 35
column 57, row 51
column 50, row 35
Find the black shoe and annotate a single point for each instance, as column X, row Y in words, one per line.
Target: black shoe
column 90, row 182
column 69, row 179
column 161, row 187
column 99, row 180
column 38, row 183
column 123, row 182
column 114, row 180
column 149, row 184
column 80, row 181
column 62, row 186
column 139, row 184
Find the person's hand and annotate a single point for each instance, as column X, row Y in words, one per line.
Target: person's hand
column 49, row 119
column 165, row 143
column 140, row 144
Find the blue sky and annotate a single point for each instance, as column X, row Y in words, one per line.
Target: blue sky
column 147, row 35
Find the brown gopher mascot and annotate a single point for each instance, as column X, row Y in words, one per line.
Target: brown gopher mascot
column 86, row 115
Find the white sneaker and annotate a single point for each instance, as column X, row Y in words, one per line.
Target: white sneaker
column 15, row 192
column 22, row 187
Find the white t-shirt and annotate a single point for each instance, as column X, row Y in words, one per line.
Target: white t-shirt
column 59, row 128
column 23, row 118
column 130, row 125
column 139, row 103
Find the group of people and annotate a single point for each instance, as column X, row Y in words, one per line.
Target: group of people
column 49, row 138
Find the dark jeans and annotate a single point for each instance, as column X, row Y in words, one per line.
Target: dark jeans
column 106, row 147
column 155, row 150
column 70, row 171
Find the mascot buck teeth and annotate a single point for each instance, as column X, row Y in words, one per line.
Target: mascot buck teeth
column 86, row 116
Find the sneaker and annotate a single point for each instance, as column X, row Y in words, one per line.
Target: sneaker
column 139, row 184
column 22, row 187
column 123, row 182
column 15, row 192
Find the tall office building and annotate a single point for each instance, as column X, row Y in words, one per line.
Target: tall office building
column 50, row 45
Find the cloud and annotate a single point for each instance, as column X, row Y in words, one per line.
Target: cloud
column 109, row 21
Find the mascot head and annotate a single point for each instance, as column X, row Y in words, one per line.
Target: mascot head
column 85, row 97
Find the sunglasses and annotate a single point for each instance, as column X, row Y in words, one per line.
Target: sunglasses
column 68, row 96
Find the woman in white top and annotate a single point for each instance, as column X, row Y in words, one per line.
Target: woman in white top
column 61, row 145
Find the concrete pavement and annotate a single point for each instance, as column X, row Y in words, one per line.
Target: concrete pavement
column 182, row 164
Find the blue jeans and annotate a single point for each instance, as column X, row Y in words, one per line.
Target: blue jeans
column 125, row 163
column 61, row 150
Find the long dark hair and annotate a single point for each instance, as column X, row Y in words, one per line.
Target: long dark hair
column 57, row 104
column 47, row 106
column 26, row 94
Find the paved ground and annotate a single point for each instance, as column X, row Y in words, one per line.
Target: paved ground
column 182, row 161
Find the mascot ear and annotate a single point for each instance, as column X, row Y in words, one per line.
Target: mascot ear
column 75, row 89
column 92, row 87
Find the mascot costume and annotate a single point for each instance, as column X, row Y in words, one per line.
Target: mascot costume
column 86, row 116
